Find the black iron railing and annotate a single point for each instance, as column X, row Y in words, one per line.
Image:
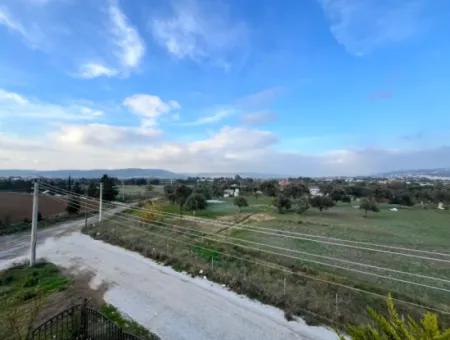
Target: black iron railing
column 80, row 322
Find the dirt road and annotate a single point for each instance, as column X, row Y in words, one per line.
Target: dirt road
column 171, row 304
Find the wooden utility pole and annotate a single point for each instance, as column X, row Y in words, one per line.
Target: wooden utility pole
column 34, row 221
column 100, row 203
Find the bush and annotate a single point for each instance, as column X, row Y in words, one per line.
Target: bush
column 369, row 204
column 282, row 203
column 322, row 202
column 240, row 202
column 195, row 202
column 393, row 326
column 301, row 205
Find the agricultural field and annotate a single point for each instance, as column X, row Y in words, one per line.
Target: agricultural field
column 16, row 207
column 131, row 192
column 228, row 246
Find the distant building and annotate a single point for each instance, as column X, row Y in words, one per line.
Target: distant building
column 315, row 191
column 231, row 193
column 283, row 182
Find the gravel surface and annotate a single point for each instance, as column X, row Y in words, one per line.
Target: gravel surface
column 171, row 304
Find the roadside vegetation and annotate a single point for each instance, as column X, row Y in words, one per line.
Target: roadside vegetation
column 29, row 296
column 392, row 325
column 209, row 228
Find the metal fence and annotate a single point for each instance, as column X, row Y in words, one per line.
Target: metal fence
column 80, row 322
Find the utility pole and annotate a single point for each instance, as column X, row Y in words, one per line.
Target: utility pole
column 85, row 212
column 123, row 192
column 100, row 203
column 34, row 220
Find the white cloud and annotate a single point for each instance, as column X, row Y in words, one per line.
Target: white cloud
column 96, row 135
column 216, row 117
column 231, row 149
column 16, row 105
column 149, row 107
column 234, row 139
column 127, row 38
column 94, row 70
column 362, row 26
column 7, row 20
column 199, row 31
column 11, row 97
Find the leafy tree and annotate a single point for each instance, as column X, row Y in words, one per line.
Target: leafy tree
column 442, row 195
column 109, row 191
column 203, row 189
column 301, row 205
column 403, row 198
column 195, row 202
column 346, row 199
column 295, row 190
column 169, row 192
column 92, row 190
column 321, row 202
column 240, row 202
column 359, row 190
column 393, row 326
column 270, row 188
column 76, row 188
column 369, row 204
column 282, row 203
column 182, row 192
column 337, row 194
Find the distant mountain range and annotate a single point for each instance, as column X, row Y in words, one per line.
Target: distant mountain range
column 165, row 174
column 429, row 173
column 124, row 173
column 95, row 173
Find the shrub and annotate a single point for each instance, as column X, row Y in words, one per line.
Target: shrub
column 240, row 202
column 393, row 326
column 322, row 202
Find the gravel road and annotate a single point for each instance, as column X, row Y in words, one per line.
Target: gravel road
column 171, row 304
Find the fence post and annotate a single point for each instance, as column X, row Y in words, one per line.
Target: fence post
column 34, row 221
column 337, row 306
column 84, row 320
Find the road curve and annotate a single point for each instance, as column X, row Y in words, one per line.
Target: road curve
column 171, row 304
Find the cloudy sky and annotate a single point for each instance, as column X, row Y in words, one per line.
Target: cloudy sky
column 301, row 87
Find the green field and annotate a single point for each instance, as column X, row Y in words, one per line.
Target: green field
column 412, row 227
column 131, row 192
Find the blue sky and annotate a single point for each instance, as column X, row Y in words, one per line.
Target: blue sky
column 311, row 87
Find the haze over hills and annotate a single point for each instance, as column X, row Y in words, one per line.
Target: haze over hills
column 166, row 174
column 126, row 173
column 94, row 173
column 432, row 173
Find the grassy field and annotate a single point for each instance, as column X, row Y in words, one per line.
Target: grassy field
column 131, row 192
column 408, row 227
column 29, row 296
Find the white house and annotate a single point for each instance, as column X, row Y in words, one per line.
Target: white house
column 231, row 193
column 315, row 191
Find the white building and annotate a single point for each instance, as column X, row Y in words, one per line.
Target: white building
column 315, row 191
column 231, row 193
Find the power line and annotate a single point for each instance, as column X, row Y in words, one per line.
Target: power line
column 287, row 234
column 303, row 259
column 204, row 235
column 278, row 233
column 278, row 267
column 284, row 269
